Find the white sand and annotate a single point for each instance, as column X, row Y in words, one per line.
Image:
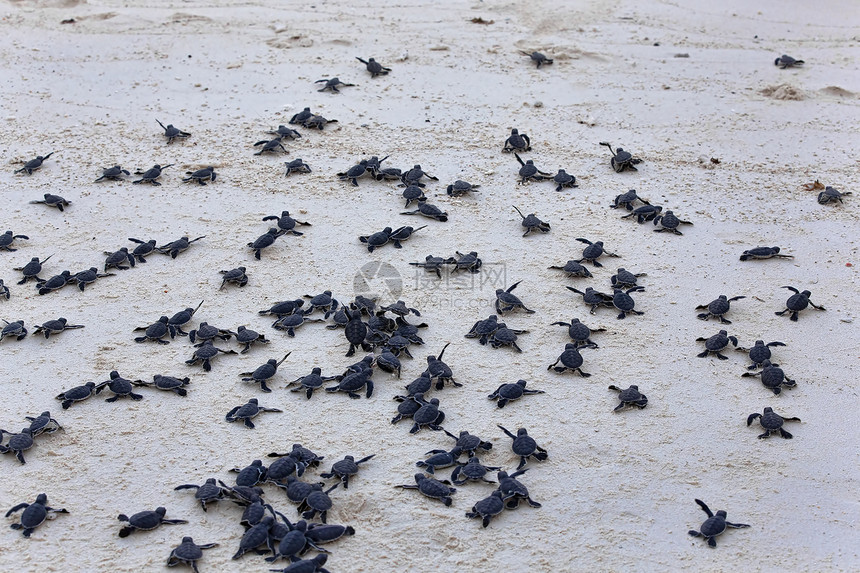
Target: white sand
column 618, row 489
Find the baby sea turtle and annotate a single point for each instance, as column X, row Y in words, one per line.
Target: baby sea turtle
column 206, row 353
column 353, row 173
column 296, row 166
column 573, row 269
column 787, row 62
column 146, row 521
column 469, row 262
column 355, row 331
column 510, row 392
column 89, row 276
column 188, row 553
column 52, row 200
column 376, row 240
column 54, row 283
column 151, row 174
column 6, row 240
column 717, row 343
column 14, row 329
column 34, row 514
column 301, row 117
column 248, row 337
column 439, row 371
column 201, row 176
column 513, row 490
column 389, row 174
column 374, row 67
column 460, row 188
column 388, row 362
column 255, row 536
column 488, row 507
column 621, row 159
column 504, row 336
column 76, row 394
column 265, row 240
column 264, row 372
column 119, row 386
column 291, row 322
column 155, row 331
column 286, row 132
column 483, row 329
column 314, row 565
column 772, row 377
column 564, row 180
column 428, row 415
column 594, row 251
column 540, row 60
column 250, row 475
column 319, row 534
column 525, row 446
column 322, row 301
column 43, row 424
column 772, row 423
column 18, row 443
column 114, row 173
column 354, row 382
column 669, row 222
column 717, row 308
column 57, row 326
column 579, row 332
column 286, row 223
column 630, row 397
column 530, row 172
column 830, row 194
column 248, row 411
column 532, row 223
column 571, row 359
column 796, row 303
column 714, row 525
column 4, row 291
column 425, row 209
column 470, row 443
column 167, row 383
column 183, row 317
column 414, row 176
column 622, row 301
column 764, row 253
column 627, row 199
column 624, row 278
column 236, row 276
column 413, row 193
column 760, row 352
column 440, row 459
column 317, row 122
column 171, row 132
column 332, row 84
column 173, row 248
column 644, row 213
column 119, row 259
column 345, row 468
column 517, row 142
column 142, row 249
column 408, row 406
column 270, row 145
column 283, row 308
column 593, row 298
column 432, row 488
column 34, row 164
column 473, row 470
column 207, row 493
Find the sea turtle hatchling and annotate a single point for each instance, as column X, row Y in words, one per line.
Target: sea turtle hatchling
column 621, row 159
column 205, row 354
column 188, row 553
column 34, row 164
column 374, row 67
column 525, row 446
column 209, row 492
column 644, row 213
column 510, row 392
column 323, row 301
column 15, row 329
column 353, row 173
column 143, row 249
column 120, row 259
column 623, row 302
column 332, row 84
column 504, row 336
column 513, row 490
column 146, row 521
column 407, row 405
column 593, row 298
column 255, row 536
column 439, row 371
column 171, row 132
column 425, row 209
column 629, row 397
column 797, row 302
column 389, row 174
column 539, row 59
column 4, row 291
column 248, row 337
column 114, row 173
column 286, row 223
column 181, row 318
column 627, row 199
column 173, row 248
column 579, row 332
column 296, row 166
column 714, row 525
column 291, row 322
column 119, row 386
column 531, row 223
column 6, row 240
column 201, row 176
column 248, row 411
column 459, row 188
column 517, row 142
column 830, row 194
column 57, row 326
column 34, row 514
column 283, row 308
column 250, row 475
column 317, row 122
column 439, row 459
column 387, row 361
column 345, row 468
column 594, row 251
column 772, row 377
column 167, row 383
column 428, row 415
column 377, row 239
column 18, row 443
column 506, row 301
column 470, row 443
column 88, row 276
column 54, row 283
column 758, row 253
column 468, row 262
column 264, row 372
column 772, row 423
column 472, row 470
column 573, row 269
column 76, row 394
column 716, row 344
column 414, row 176
column 760, row 352
column 564, row 180
column 155, row 331
column 43, row 424
column 529, row 171
column 286, row 132
column 151, row 175
column 267, row 239
column 52, row 200
column 787, row 62
column 413, row 193
column 718, row 308
column 571, row 360
column 483, row 329
column 235, row 276
column 432, row 488
column 354, row 382
column 314, row 565
column 625, row 279
column 668, row 221
column 301, row 117
column 487, row 508
column 270, row 146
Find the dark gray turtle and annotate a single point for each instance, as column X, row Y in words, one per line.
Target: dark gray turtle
column 205, row 353
column 142, row 249
column 286, row 132
column 332, row 84
column 593, row 298
column 188, row 553
column 76, row 394
column 425, row 209
column 510, row 392
column 787, row 62
column 374, row 67
column 146, row 521
column 317, row 502
column 155, row 331
column 254, row 513
column 540, row 60
column 317, row 122
column 390, row 174
column 644, row 213
column 34, row 164
column 89, row 276
column 573, row 269
column 286, row 223
column 717, row 343
column 18, row 443
column 621, row 159
column 669, row 222
column 532, row 223
column 483, row 329
column 353, row 173
column 571, row 360
column 473, row 470
column 4, row 291
column 517, row 142
column 772, row 423
column 622, row 301
column 173, row 248
column 504, row 336
column 505, row 301
column 760, row 352
column 363, row 365
column 564, row 180
column 54, row 283
column 120, row 387
column 270, row 146
column 388, row 362
column 283, row 467
column 7, row 238
column 201, row 176
column 32, row 269
column 250, row 475
column 311, row 382
column 344, row 469
column 408, row 406
column 579, row 332
column 513, row 490
column 322, row 301
column 772, row 377
column 432, row 488
column 301, row 117
column 151, row 175
column 43, row 424
column 420, row 385
column 401, row 234
column 427, row 416
column 236, row 276
column 304, row 455
column 14, row 329
column 284, row 307
column 468, row 262
column 530, row 172
column 797, row 302
column 264, row 372
column 353, row 383
column 167, row 383
column 319, row 534
column 114, row 173
column 413, row 176
column 314, row 565
column 364, row 305
column 439, row 371
column 830, row 194
column 293, row 544
column 470, row 443
column 248, row 337
column 488, row 507
column 296, row 166
column 400, row 309
column 717, row 308
column 248, row 411
column 714, row 525
column 119, row 259
column 291, row 322
column 440, row 459
column 627, row 199
column 206, row 332
column 297, row 490
column 265, row 240
column 183, row 317
column 171, row 132
column 593, row 251
column 34, row 514
column 629, row 397
column 413, row 193
column 525, row 446
column 241, row 494
column 376, row 240
column 55, row 327
column 209, row 492
column 374, row 166
column 764, row 253
column 460, row 188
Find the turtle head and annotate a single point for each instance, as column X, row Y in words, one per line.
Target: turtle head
column 161, row 511
column 42, row 499
column 722, row 514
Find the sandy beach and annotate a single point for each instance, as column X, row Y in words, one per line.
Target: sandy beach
column 727, row 141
